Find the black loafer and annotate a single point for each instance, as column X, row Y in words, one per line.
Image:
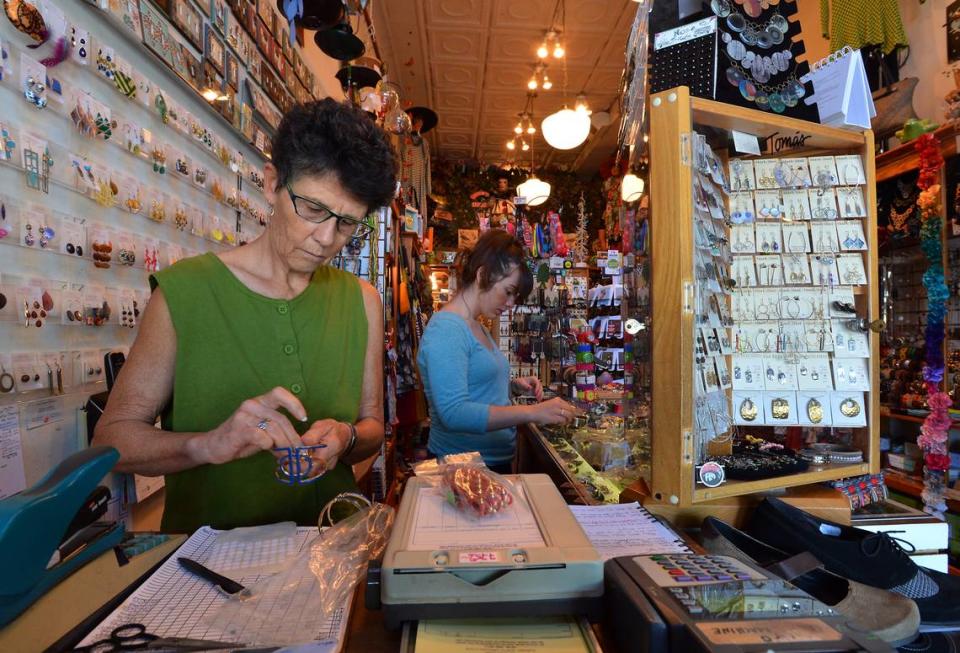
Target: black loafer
column 873, row 559
column 890, row 617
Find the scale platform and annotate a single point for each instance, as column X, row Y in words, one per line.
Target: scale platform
column 532, row 559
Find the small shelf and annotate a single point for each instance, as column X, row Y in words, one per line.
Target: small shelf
column 815, row 474
column 913, row 486
column 915, row 419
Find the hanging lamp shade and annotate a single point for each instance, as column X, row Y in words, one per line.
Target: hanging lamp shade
column 321, row 14
column 340, row 43
column 566, row 129
column 365, row 71
column 535, row 191
column 631, row 188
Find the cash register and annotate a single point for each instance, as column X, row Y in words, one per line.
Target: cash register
column 531, row 560
column 687, row 603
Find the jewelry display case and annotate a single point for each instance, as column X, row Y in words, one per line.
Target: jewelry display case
column 764, row 300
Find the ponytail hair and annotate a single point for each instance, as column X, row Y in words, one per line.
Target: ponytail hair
column 497, row 253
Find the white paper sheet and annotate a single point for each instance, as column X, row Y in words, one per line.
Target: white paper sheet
column 626, row 529
column 439, row 525
column 12, row 478
column 175, row 603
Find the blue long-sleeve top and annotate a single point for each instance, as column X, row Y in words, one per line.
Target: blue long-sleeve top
column 462, row 378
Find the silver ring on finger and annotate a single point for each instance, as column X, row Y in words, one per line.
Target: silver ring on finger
column 262, row 424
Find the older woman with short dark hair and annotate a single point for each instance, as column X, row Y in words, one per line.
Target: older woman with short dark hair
column 266, row 347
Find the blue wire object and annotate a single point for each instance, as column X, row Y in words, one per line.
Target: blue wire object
column 295, row 465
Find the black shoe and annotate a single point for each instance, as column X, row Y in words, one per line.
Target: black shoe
column 933, row 643
column 873, row 559
column 890, row 617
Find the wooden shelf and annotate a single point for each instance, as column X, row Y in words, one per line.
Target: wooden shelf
column 913, row 486
column 915, row 419
column 815, row 474
column 904, row 158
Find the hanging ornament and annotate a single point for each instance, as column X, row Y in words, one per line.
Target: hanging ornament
column 397, row 121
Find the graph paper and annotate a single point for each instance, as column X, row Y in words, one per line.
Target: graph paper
column 175, row 603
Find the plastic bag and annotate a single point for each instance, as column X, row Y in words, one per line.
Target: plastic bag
column 432, row 467
column 313, row 585
column 476, row 490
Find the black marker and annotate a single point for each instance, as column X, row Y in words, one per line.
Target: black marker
column 227, row 585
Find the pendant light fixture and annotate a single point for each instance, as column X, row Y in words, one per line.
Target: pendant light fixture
column 631, row 188
column 535, row 191
column 340, row 42
column 567, row 128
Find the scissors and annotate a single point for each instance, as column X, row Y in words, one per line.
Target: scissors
column 134, row 637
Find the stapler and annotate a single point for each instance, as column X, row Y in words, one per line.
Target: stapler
column 35, row 524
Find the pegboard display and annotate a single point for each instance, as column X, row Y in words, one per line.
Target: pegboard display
column 99, row 187
column 686, row 56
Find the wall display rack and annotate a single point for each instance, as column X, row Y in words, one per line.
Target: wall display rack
column 766, row 267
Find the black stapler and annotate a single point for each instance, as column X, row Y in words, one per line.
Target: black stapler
column 45, row 530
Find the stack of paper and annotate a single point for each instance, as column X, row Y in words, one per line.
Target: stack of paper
column 627, row 529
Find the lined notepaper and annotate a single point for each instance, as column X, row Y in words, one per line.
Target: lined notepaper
column 627, row 529
column 175, row 603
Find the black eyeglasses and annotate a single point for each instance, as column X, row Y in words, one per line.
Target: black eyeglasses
column 313, row 211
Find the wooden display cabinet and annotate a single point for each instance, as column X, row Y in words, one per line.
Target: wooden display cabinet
column 674, row 117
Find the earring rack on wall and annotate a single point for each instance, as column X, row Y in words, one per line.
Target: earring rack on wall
column 93, row 221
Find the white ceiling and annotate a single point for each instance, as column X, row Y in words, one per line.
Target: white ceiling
column 470, row 60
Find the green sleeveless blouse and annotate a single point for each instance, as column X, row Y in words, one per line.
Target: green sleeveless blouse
column 234, row 344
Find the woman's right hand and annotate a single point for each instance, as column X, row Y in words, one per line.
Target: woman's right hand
column 241, row 436
column 553, row 411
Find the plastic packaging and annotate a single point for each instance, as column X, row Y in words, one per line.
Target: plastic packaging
column 476, row 490
column 432, row 467
column 315, row 583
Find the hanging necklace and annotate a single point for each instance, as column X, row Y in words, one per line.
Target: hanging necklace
column 765, row 35
column 898, row 219
column 769, row 98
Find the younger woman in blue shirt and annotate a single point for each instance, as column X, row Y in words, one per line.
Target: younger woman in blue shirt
column 465, row 376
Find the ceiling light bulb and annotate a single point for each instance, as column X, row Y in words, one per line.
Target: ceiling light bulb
column 534, row 190
column 547, row 84
column 511, row 145
column 542, row 51
column 531, row 129
column 646, row 138
column 210, row 95
column 532, row 84
column 558, row 51
column 526, row 146
column 518, row 129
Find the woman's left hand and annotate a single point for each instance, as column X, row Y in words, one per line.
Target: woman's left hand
column 528, row 385
column 334, row 434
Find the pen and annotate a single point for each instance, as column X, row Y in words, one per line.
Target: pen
column 227, row 585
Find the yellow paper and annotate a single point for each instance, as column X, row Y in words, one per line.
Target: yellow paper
column 554, row 634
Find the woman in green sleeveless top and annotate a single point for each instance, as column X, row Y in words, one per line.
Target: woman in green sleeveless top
column 265, row 346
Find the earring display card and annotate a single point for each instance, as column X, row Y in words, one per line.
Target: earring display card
column 824, row 235
column 848, row 409
column 748, row 408
column 841, row 297
column 824, row 269
column 743, row 239
column 766, row 173
column 780, row 408
column 744, row 272
column 851, row 374
column 769, row 239
column 796, row 270
column 848, row 340
column 742, row 176
column 768, row 203
column 748, row 373
column 823, row 203
column 850, row 169
column 796, row 205
column 798, row 172
column 742, row 209
column 779, row 375
column 851, row 202
column 823, row 170
column 814, row 409
column 796, row 238
column 769, row 270
column 686, row 56
column 813, row 373
column 851, row 236
column 852, row 271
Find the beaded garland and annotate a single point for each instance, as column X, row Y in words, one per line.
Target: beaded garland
column 933, row 439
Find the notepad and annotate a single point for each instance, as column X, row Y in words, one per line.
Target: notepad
column 522, row 635
column 627, row 529
column 175, row 603
column 841, row 91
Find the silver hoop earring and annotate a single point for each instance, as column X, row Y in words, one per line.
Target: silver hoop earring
column 272, row 211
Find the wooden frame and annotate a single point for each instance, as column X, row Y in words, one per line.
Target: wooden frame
column 674, row 116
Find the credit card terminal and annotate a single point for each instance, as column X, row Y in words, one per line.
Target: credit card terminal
column 687, row 603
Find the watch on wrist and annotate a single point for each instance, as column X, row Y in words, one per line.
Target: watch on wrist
column 352, row 443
